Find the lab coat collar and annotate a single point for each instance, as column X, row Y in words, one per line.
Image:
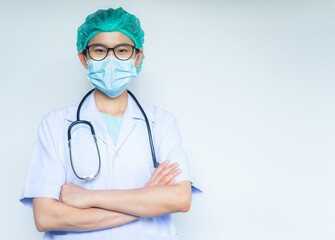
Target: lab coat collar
column 91, row 113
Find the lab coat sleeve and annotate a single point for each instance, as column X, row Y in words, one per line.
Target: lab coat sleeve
column 46, row 174
column 171, row 147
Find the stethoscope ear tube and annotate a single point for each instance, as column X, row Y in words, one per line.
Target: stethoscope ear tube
column 81, row 103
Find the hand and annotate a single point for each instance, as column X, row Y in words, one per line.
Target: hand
column 75, row 196
column 164, row 175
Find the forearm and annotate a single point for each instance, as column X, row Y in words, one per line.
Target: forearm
column 146, row 202
column 52, row 215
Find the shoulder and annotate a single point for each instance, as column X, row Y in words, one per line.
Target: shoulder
column 57, row 116
column 159, row 115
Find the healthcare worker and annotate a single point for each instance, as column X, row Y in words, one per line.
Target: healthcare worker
column 109, row 168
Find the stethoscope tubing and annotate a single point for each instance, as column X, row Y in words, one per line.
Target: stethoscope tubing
column 78, row 121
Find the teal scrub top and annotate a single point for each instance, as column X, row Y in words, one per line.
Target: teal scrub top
column 113, row 125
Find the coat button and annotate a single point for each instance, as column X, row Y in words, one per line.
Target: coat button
column 117, row 154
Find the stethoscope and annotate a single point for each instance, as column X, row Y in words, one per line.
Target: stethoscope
column 78, row 121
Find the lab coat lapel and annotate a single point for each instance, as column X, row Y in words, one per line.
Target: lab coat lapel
column 128, row 123
column 90, row 112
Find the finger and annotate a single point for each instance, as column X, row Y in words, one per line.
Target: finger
column 158, row 170
column 172, row 181
column 169, row 169
column 169, row 177
column 163, row 173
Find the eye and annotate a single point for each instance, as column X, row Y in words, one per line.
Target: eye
column 122, row 50
column 98, row 50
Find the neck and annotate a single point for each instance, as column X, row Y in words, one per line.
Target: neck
column 112, row 106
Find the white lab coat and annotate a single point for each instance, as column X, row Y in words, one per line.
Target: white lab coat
column 127, row 165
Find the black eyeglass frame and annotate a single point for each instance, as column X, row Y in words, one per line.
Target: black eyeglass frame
column 113, row 49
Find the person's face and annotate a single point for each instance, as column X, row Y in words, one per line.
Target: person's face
column 110, row 39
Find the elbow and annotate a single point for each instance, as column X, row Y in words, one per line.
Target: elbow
column 184, row 194
column 185, row 205
column 41, row 223
column 40, row 226
column 43, row 209
column 181, row 203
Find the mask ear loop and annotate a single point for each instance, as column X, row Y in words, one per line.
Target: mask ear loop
column 136, row 55
column 135, row 59
column 85, row 55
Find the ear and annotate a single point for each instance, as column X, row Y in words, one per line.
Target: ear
column 139, row 58
column 82, row 59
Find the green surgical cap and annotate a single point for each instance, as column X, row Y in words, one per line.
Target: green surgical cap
column 110, row 20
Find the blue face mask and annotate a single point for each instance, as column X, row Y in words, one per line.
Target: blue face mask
column 111, row 75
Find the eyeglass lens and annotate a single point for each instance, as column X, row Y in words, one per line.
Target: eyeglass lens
column 122, row 52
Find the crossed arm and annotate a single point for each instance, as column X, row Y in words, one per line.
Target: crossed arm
column 84, row 210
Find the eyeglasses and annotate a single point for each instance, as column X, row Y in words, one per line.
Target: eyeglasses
column 122, row 51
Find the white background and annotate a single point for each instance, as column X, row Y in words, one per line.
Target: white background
column 251, row 83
